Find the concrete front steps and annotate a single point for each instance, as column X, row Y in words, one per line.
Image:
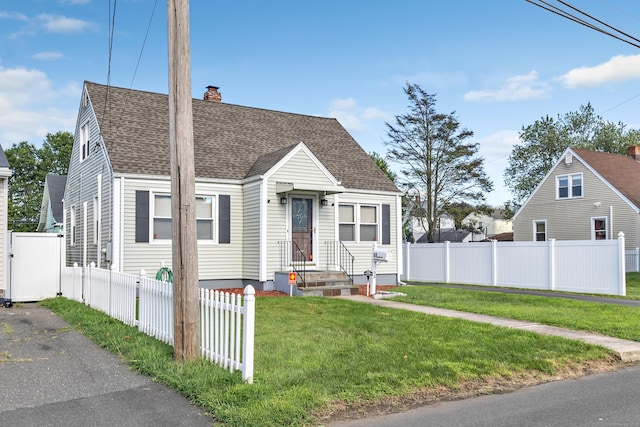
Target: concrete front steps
column 317, row 284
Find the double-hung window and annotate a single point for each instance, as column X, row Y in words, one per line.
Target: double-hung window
column 540, row 231
column 599, row 228
column 569, row 186
column 162, row 229
column 358, row 223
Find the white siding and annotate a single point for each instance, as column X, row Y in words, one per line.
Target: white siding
column 251, row 234
column 3, row 232
column 215, row 261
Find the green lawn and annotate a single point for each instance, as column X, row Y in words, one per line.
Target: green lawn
column 608, row 319
column 633, row 285
column 313, row 355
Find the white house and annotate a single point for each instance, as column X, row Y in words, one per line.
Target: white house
column 275, row 191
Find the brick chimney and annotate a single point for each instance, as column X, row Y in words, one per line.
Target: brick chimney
column 213, row 95
column 634, row 151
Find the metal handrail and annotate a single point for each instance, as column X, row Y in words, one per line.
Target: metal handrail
column 289, row 250
column 339, row 256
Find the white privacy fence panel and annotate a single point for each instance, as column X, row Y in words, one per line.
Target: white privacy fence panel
column 573, row 266
column 469, row 263
column 522, row 265
column 227, row 326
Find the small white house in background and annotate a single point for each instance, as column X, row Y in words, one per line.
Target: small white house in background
column 268, row 183
column 586, row 195
column 51, row 210
column 5, row 173
column 489, row 224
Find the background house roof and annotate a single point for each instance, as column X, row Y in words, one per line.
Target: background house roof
column 623, row 172
column 56, row 185
column 4, row 163
column 231, row 141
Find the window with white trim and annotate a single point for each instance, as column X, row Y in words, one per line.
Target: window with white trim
column 347, row 223
column 72, row 226
column 368, row 223
column 540, row 231
column 161, row 213
column 84, row 141
column 358, row 223
column 569, row 186
column 599, row 228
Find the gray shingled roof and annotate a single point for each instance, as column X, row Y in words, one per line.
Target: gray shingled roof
column 623, row 172
column 231, row 141
column 55, row 185
column 4, row 163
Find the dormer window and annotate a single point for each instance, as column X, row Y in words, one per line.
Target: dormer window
column 569, row 186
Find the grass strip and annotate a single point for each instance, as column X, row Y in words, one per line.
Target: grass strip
column 315, row 354
column 607, row 319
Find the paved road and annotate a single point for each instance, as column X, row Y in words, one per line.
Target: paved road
column 50, row 375
column 600, row 400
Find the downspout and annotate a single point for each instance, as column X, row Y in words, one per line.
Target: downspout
column 611, row 220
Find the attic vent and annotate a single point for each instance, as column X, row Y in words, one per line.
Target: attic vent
column 568, row 158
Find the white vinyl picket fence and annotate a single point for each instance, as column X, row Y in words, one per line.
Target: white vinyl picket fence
column 226, row 324
column 584, row 266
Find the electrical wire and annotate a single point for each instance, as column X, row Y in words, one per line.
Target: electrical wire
column 633, row 41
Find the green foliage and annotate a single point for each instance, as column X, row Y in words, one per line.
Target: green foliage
column 313, row 355
column 30, row 166
column 546, row 139
column 439, row 165
column 383, row 165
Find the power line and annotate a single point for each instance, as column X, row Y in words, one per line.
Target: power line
column 633, row 41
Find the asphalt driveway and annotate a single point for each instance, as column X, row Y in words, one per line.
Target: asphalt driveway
column 51, row 375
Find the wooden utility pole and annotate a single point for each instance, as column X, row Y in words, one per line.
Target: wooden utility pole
column 183, row 201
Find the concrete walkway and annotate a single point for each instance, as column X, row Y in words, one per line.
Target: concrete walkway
column 625, row 350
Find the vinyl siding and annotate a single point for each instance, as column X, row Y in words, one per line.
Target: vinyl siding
column 302, row 171
column 570, row 219
column 251, row 234
column 82, row 186
column 215, row 261
column 362, row 250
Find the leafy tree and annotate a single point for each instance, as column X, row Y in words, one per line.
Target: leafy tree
column 460, row 210
column 383, row 165
column 30, row 166
column 439, row 166
column 546, row 139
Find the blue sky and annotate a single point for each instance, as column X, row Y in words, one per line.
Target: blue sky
column 499, row 65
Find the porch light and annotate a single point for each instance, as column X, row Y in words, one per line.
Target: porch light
column 283, row 200
column 324, row 202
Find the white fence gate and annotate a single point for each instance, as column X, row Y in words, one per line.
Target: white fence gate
column 34, row 266
column 585, row 266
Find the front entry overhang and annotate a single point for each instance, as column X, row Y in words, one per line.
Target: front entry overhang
column 287, row 187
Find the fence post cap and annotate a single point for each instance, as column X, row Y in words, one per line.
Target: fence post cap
column 620, row 235
column 143, row 273
column 249, row 290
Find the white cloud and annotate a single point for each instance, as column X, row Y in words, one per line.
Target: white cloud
column 30, row 107
column 618, row 69
column 62, row 24
column 353, row 117
column 13, row 15
column 496, row 149
column 48, row 56
column 517, row 88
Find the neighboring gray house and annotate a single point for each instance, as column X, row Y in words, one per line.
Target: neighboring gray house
column 51, row 210
column 264, row 180
column 5, row 173
column 587, row 195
